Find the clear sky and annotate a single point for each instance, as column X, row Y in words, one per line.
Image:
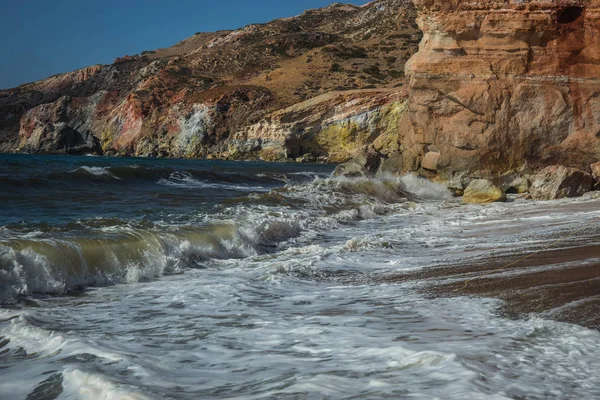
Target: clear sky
column 39, row 38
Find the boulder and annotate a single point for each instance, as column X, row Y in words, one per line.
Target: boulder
column 514, row 183
column 483, row 191
column 519, row 186
column 350, row 169
column 391, row 165
column 596, row 170
column 370, row 160
column 556, row 182
column 458, row 183
column 364, row 164
column 431, row 160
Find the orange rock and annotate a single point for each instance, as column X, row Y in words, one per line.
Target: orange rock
column 430, row 161
column 596, row 170
column 498, row 84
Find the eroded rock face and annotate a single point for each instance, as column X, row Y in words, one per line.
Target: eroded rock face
column 58, row 127
column 500, row 83
column 336, row 125
column 557, row 182
column 322, row 84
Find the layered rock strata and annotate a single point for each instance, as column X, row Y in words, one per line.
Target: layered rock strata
column 317, row 86
column 501, row 84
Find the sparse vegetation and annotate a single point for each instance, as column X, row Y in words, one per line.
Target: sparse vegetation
column 335, row 67
column 372, row 70
column 396, row 74
column 400, row 36
column 330, row 49
column 346, row 52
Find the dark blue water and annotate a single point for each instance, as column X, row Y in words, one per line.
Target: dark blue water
column 68, row 222
column 58, row 190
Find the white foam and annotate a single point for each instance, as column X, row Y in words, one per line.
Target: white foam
column 425, row 189
column 290, row 303
column 78, row 384
column 185, row 179
column 34, row 340
column 97, row 171
column 26, row 271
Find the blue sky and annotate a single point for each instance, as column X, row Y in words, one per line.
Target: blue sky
column 39, row 38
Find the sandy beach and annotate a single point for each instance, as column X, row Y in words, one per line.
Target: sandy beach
column 558, row 278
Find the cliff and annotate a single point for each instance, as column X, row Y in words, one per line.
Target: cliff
column 504, row 85
column 321, row 85
column 495, row 89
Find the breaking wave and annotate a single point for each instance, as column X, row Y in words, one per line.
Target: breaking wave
column 111, row 251
column 187, row 180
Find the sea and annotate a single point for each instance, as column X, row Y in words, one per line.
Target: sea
column 132, row 278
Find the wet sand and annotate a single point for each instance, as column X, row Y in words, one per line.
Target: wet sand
column 560, row 283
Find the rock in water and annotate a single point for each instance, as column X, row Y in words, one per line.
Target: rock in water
column 557, row 182
column 483, row 191
column 350, row 169
column 364, row 164
column 391, row 165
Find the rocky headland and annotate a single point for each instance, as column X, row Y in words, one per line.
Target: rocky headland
column 318, row 86
column 489, row 97
column 503, row 97
column 508, row 88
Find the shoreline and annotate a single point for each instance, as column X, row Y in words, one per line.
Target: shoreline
column 561, row 284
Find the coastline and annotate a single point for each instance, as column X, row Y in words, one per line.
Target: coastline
column 280, row 274
column 556, row 278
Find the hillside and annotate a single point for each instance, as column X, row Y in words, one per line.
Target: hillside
column 285, row 89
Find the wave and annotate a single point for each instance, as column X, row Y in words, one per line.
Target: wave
column 23, row 338
column 130, row 174
column 295, row 178
column 81, row 384
column 107, row 254
column 185, row 179
column 94, row 171
column 57, row 266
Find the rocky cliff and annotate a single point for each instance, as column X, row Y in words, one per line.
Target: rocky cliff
column 321, row 85
column 504, row 85
column 498, row 89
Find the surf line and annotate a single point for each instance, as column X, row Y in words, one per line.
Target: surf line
column 542, row 250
